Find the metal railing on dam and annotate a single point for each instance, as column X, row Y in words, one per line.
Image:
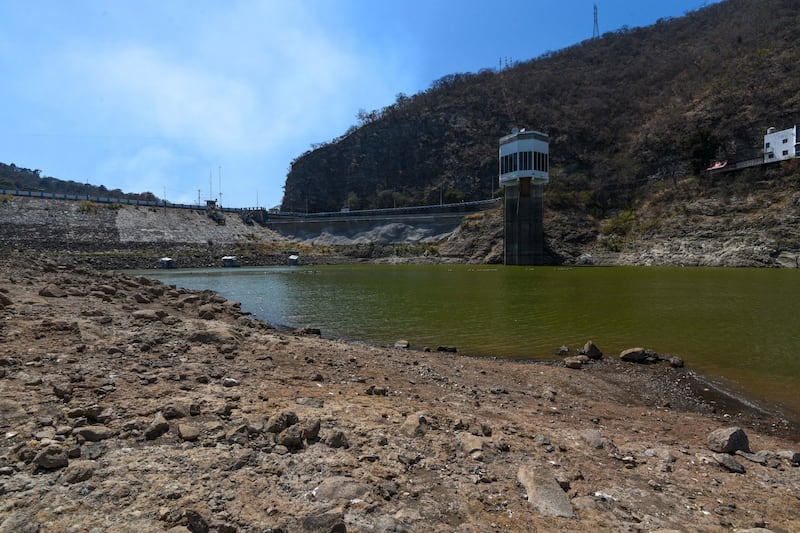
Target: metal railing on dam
column 105, row 200
column 263, row 215
column 438, row 209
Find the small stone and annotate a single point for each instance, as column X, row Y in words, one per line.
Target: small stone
column 280, row 421
column 331, row 520
column 416, row 425
column 469, row 443
column 291, row 437
column 761, row 457
column 93, row 433
column 147, row 315
column 141, row 298
column 63, row 391
column 157, row 427
column 19, row 522
column 208, row 311
column 402, row 344
column 729, row 463
column 790, row 455
column 634, row 355
column 311, row 429
column 674, row 361
column 574, row 362
column 5, row 301
column 51, row 458
column 229, row 382
column 594, row 438
column 78, row 471
column 175, row 410
column 188, row 432
column 107, row 289
column 336, row 439
column 51, row 291
column 317, row 403
column 376, row 391
column 341, row 488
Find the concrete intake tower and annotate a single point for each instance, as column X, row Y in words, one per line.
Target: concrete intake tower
column 524, row 170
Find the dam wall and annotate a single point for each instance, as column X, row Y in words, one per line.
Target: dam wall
column 34, row 223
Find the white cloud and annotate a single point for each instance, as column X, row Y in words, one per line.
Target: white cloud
column 245, row 85
column 134, row 87
column 151, row 168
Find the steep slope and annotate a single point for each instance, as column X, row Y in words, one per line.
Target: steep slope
column 626, row 110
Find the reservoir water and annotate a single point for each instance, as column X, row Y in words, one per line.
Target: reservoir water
column 740, row 327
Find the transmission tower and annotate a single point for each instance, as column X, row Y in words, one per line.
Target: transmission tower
column 596, row 31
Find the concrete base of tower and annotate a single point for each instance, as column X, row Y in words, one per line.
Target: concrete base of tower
column 523, row 225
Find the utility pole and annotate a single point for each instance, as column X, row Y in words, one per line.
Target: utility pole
column 596, row 31
column 220, row 186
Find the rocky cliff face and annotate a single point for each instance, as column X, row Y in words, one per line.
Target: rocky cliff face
column 740, row 220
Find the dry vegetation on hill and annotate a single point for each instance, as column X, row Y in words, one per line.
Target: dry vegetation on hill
column 628, row 115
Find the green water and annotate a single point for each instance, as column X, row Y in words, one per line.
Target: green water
column 739, row 326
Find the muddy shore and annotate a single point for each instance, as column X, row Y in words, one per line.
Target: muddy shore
column 129, row 405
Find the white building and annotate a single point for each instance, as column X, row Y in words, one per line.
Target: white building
column 780, row 145
column 524, row 154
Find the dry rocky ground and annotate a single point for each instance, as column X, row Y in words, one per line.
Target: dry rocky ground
column 129, row 405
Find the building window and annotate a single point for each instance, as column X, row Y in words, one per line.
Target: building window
column 786, row 152
column 771, row 156
column 540, row 162
column 766, row 145
column 785, row 141
column 525, row 161
column 508, row 163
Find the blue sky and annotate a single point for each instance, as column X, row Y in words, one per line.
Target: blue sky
column 180, row 97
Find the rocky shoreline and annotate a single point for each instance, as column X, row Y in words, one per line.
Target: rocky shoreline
column 129, row 405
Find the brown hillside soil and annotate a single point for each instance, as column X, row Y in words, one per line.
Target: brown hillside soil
column 128, row 405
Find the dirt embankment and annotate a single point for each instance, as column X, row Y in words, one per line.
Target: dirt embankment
column 129, row 405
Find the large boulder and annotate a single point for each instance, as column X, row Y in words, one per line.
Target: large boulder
column 728, row 440
column 634, row 355
column 591, row 350
column 544, row 492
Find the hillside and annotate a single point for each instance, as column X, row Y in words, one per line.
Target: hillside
column 13, row 177
column 630, row 115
